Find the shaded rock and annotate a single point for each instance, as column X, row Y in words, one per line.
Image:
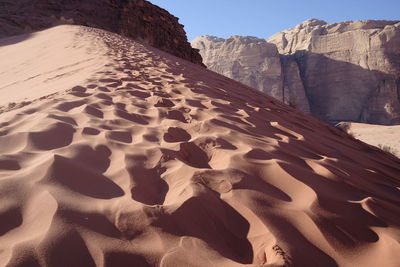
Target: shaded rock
column 137, row 19
column 348, row 71
column 351, row 70
column 256, row 63
column 293, row 88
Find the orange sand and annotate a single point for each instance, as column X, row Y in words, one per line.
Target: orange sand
column 149, row 160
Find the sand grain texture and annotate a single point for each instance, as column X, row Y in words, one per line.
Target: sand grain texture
column 149, row 160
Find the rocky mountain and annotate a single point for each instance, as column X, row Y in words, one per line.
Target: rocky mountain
column 137, row 19
column 347, row 71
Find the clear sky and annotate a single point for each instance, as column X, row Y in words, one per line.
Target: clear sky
column 263, row 18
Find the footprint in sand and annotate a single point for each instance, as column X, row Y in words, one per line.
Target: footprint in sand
column 67, row 106
column 179, row 116
column 9, row 165
column 140, row 119
column 163, row 102
column 90, row 131
column 94, row 112
column 120, row 136
column 10, row 218
column 176, row 134
column 57, row 135
column 104, row 97
column 139, row 94
column 77, row 174
column 195, row 103
column 193, row 155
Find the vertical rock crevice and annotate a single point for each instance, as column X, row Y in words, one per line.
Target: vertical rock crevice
column 256, row 63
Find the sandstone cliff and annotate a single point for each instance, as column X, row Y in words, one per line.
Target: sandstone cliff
column 256, row 63
column 349, row 71
column 137, row 19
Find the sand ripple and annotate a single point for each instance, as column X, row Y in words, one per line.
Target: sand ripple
column 154, row 161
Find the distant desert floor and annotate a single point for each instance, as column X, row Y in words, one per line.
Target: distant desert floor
column 113, row 153
column 382, row 136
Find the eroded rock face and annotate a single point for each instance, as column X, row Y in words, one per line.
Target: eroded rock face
column 137, row 19
column 294, row 93
column 351, row 70
column 347, row 71
column 256, row 63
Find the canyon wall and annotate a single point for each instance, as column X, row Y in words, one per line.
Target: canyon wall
column 347, row 71
column 256, row 63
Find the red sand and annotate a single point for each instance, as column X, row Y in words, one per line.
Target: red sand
column 150, row 160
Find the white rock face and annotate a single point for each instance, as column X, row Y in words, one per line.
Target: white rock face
column 351, row 70
column 348, row 71
column 254, row 62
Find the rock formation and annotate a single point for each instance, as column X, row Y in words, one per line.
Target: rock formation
column 137, row 19
column 256, row 63
column 350, row 71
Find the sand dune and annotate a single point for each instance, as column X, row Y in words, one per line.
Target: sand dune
column 38, row 64
column 149, row 160
column 386, row 137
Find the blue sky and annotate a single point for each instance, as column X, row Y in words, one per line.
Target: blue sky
column 263, row 18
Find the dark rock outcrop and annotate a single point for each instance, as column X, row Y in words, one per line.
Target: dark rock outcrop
column 137, row 19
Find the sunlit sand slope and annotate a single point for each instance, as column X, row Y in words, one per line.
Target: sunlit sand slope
column 149, row 160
